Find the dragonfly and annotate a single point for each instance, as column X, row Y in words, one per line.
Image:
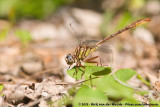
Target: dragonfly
column 83, row 50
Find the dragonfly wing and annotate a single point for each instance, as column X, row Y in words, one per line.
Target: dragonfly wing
column 89, row 42
column 103, row 48
column 77, row 29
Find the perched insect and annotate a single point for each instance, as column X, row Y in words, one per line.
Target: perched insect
column 83, row 50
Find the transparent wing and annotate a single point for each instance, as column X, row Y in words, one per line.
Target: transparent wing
column 103, row 48
column 77, row 29
column 89, row 42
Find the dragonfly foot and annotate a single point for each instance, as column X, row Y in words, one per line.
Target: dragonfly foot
column 82, row 74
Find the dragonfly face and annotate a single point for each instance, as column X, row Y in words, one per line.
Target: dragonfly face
column 69, row 59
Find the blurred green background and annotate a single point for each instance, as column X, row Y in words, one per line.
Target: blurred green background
column 15, row 9
column 39, row 9
column 125, row 10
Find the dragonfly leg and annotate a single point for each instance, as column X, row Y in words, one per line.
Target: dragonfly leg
column 90, row 60
column 82, row 70
column 68, row 67
column 75, row 73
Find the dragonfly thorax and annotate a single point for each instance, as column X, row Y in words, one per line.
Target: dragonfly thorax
column 69, row 59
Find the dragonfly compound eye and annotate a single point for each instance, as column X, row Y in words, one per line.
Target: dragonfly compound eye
column 69, row 59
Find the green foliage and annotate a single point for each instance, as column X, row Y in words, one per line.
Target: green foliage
column 29, row 8
column 105, row 89
column 24, row 36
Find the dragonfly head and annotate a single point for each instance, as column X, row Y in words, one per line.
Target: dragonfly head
column 69, row 59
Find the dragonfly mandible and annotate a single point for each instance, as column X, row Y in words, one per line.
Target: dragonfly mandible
column 82, row 51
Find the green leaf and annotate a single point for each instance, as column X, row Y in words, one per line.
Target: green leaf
column 89, row 70
column 113, row 89
column 125, row 74
column 85, row 96
column 100, row 71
